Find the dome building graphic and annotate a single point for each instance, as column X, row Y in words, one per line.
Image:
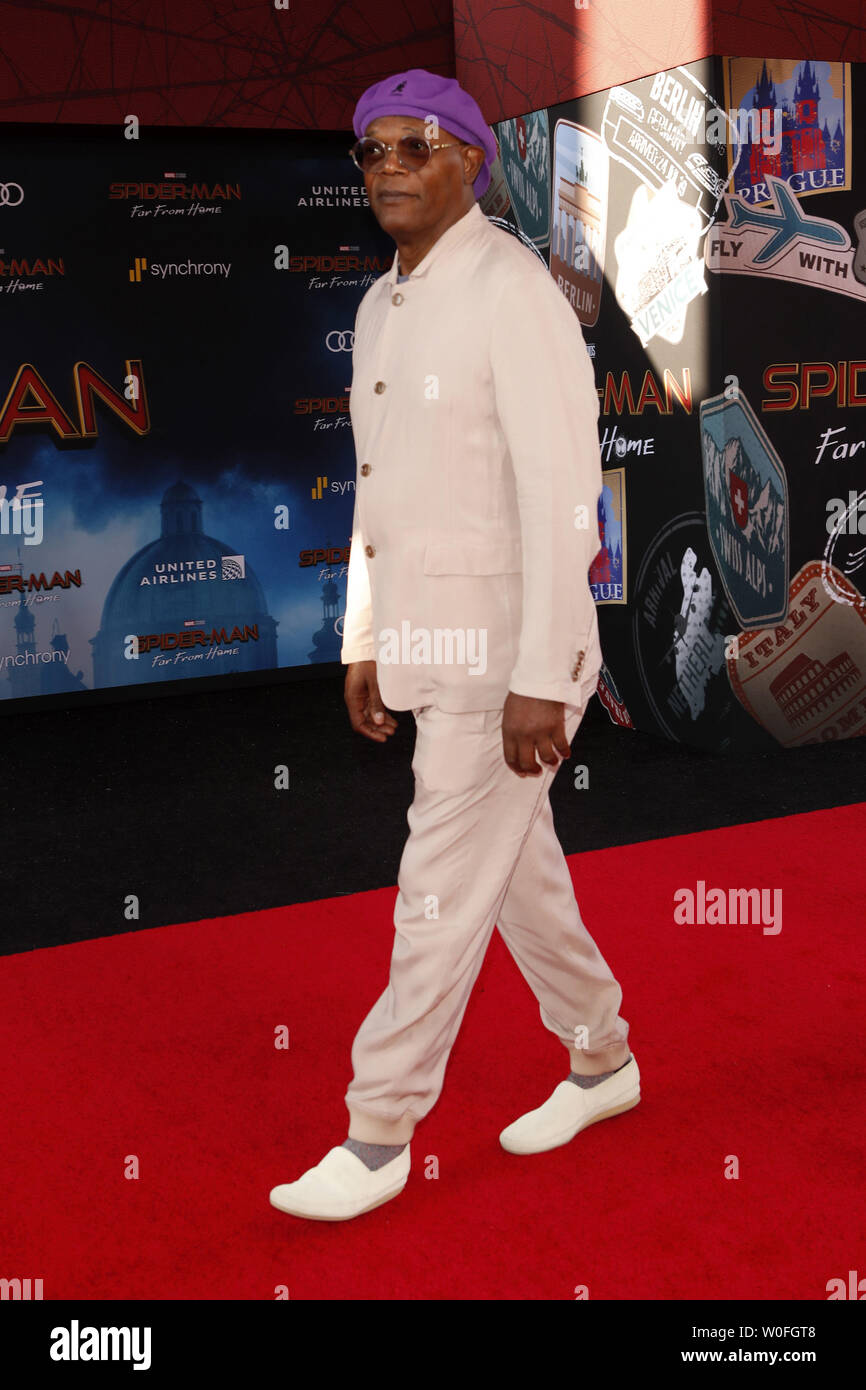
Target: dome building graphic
column 195, row 606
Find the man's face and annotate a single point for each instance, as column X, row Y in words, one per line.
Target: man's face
column 406, row 201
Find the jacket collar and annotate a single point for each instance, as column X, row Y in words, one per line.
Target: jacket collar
column 450, row 239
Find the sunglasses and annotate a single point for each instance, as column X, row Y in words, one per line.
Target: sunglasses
column 413, row 152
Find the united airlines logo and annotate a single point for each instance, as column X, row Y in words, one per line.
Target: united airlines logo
column 234, row 567
column 195, row 571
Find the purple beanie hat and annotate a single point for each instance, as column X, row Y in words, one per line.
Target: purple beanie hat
column 424, row 94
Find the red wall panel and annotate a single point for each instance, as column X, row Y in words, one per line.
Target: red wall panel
column 211, row 62
column 516, row 59
column 520, row 57
column 226, row 62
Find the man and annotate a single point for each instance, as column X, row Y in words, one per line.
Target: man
column 474, row 413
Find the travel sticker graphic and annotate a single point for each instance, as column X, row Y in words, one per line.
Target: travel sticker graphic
column 524, row 152
column 804, row 680
column 845, row 551
column 496, row 202
column 608, row 692
column 660, row 270
column 746, row 492
column 681, row 620
column 795, row 124
column 667, row 128
column 784, row 243
column 579, row 217
column 607, row 574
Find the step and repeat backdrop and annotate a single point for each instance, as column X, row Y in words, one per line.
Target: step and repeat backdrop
column 706, row 226
column 176, row 457
column 176, row 454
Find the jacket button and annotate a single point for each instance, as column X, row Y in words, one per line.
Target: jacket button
column 379, row 387
column 369, row 550
column 397, row 298
column 365, row 468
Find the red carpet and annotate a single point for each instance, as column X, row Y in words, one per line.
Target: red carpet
column 160, row 1044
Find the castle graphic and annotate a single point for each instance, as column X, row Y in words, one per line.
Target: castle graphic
column 34, row 672
column 606, row 570
column 327, row 641
column 197, row 604
column 805, row 143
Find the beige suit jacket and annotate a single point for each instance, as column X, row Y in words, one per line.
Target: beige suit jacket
column 474, row 412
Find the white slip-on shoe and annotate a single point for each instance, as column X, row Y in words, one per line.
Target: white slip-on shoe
column 341, row 1186
column 570, row 1109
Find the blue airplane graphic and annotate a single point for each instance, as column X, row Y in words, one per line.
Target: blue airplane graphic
column 788, row 223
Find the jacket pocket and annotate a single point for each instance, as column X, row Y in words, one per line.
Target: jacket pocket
column 455, row 556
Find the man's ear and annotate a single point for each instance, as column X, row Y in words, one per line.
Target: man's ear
column 475, row 161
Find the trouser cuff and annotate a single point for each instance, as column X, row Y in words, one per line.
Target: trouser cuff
column 369, row 1128
column 601, row 1060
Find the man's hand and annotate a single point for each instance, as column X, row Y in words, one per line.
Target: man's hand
column 367, row 714
column 528, row 725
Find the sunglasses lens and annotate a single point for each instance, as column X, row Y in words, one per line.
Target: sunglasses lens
column 412, row 150
column 369, row 153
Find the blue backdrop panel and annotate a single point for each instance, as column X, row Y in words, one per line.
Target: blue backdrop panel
column 176, row 458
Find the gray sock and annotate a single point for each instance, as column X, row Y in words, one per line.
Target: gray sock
column 584, row 1082
column 373, row 1156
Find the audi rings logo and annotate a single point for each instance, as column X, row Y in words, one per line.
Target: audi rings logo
column 11, row 194
column 340, row 342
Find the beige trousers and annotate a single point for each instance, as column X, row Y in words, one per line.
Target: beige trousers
column 482, row 850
